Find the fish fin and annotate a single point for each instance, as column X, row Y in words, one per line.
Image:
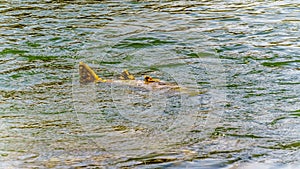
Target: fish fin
column 87, row 75
column 125, row 75
column 149, row 79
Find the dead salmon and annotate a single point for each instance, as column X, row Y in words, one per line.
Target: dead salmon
column 87, row 75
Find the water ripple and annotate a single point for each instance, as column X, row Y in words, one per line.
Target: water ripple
column 240, row 59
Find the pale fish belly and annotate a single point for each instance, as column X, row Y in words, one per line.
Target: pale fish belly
column 159, row 87
column 148, row 86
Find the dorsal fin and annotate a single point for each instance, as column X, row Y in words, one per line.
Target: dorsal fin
column 125, row 75
column 86, row 74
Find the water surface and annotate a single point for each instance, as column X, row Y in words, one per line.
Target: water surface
column 239, row 62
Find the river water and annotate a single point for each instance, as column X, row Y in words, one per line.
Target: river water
column 237, row 62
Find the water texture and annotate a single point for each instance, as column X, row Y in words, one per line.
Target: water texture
column 237, row 63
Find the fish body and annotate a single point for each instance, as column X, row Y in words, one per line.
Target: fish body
column 87, row 75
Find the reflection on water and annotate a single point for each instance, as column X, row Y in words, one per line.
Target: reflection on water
column 239, row 59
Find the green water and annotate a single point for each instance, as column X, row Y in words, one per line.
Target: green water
column 238, row 63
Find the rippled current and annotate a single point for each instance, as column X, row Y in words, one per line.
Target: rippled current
column 237, row 62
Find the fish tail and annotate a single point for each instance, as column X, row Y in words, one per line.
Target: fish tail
column 87, row 74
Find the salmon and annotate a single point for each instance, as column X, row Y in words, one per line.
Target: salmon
column 87, row 75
